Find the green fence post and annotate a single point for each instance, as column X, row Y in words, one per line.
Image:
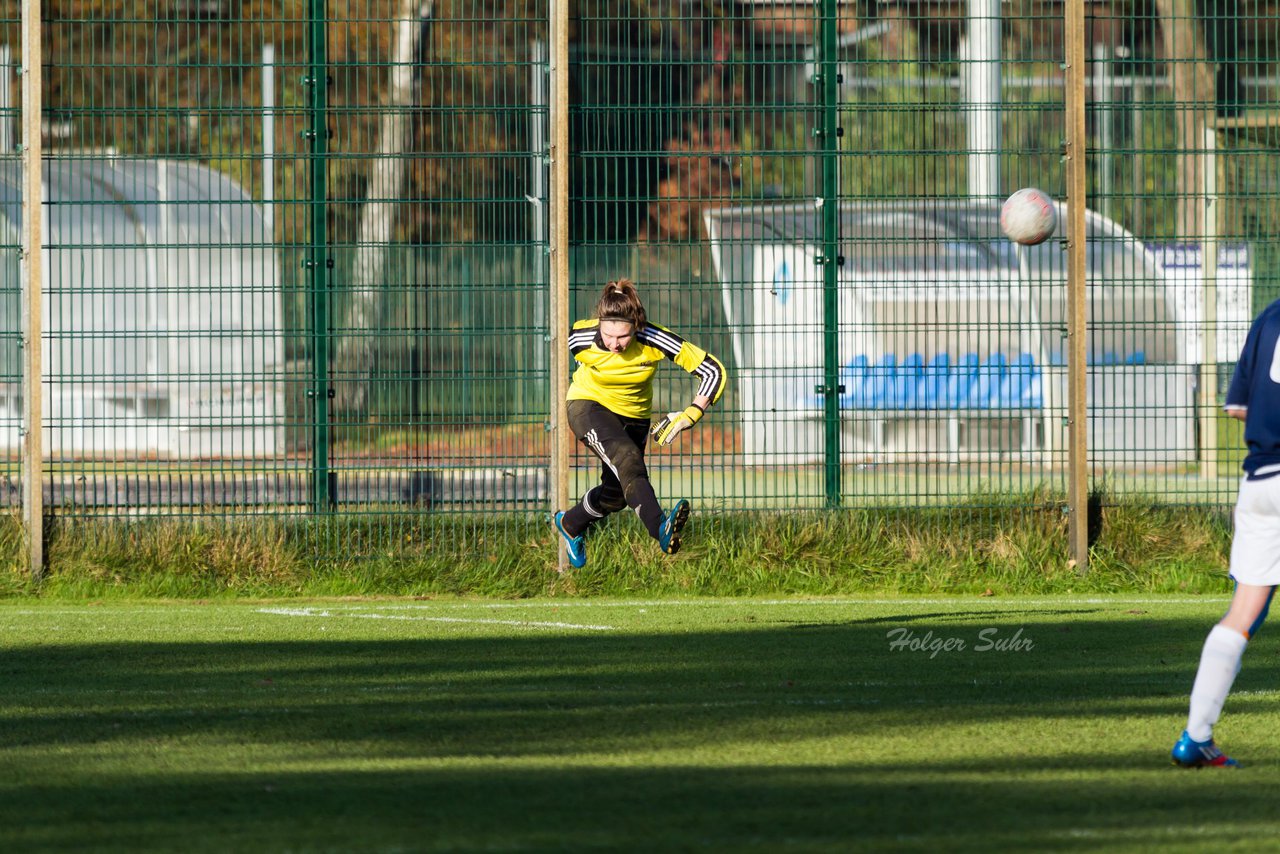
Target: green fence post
column 829, row 130
column 317, row 81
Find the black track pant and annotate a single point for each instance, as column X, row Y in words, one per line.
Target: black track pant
column 624, row 480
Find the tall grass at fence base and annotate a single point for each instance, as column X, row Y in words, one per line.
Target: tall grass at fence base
column 994, row 546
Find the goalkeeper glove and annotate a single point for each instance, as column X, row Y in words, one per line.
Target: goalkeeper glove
column 666, row 430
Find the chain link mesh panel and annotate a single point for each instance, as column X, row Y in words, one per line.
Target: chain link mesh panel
column 297, row 252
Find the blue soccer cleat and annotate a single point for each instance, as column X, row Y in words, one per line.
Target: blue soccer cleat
column 575, row 547
column 672, row 524
column 1188, row 753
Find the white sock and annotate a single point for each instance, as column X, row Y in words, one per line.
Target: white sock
column 1219, row 664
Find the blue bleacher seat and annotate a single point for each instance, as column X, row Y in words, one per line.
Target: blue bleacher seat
column 959, row 381
column 1033, row 397
column 970, row 383
column 879, row 387
column 1137, row 357
column 906, row 383
column 1013, row 389
column 1105, row 359
column 853, row 377
column 987, row 382
column 933, row 387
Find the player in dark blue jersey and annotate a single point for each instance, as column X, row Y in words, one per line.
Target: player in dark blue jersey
column 1254, row 398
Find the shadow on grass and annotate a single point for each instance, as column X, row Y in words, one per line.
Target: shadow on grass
column 801, row 735
column 780, row 807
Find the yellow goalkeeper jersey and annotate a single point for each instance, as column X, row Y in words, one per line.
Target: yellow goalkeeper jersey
column 623, row 382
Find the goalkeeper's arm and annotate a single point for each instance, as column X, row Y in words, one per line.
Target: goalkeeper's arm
column 712, row 381
column 674, row 423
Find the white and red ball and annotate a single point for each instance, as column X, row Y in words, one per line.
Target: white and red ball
column 1028, row 216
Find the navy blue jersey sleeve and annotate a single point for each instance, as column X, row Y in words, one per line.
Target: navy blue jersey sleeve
column 1242, row 379
column 1255, row 388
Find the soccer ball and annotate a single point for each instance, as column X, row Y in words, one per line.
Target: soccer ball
column 1028, row 216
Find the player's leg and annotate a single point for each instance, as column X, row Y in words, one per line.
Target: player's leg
column 1255, row 566
column 1220, row 661
column 620, row 444
column 670, row 524
column 633, row 475
column 598, row 502
column 1250, row 605
column 663, row 527
column 587, row 419
column 624, row 479
column 601, row 431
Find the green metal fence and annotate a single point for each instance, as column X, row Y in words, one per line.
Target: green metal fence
column 298, row 252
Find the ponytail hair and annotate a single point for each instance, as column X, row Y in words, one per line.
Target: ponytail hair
column 621, row 301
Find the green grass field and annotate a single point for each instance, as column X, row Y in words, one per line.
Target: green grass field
column 686, row 724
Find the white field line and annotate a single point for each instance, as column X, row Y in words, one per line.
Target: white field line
column 356, row 615
column 969, row 601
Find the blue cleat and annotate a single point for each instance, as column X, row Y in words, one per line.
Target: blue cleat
column 672, row 525
column 1188, row 753
column 574, row 547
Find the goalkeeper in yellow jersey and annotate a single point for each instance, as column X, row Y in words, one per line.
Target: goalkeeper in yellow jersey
column 609, row 406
